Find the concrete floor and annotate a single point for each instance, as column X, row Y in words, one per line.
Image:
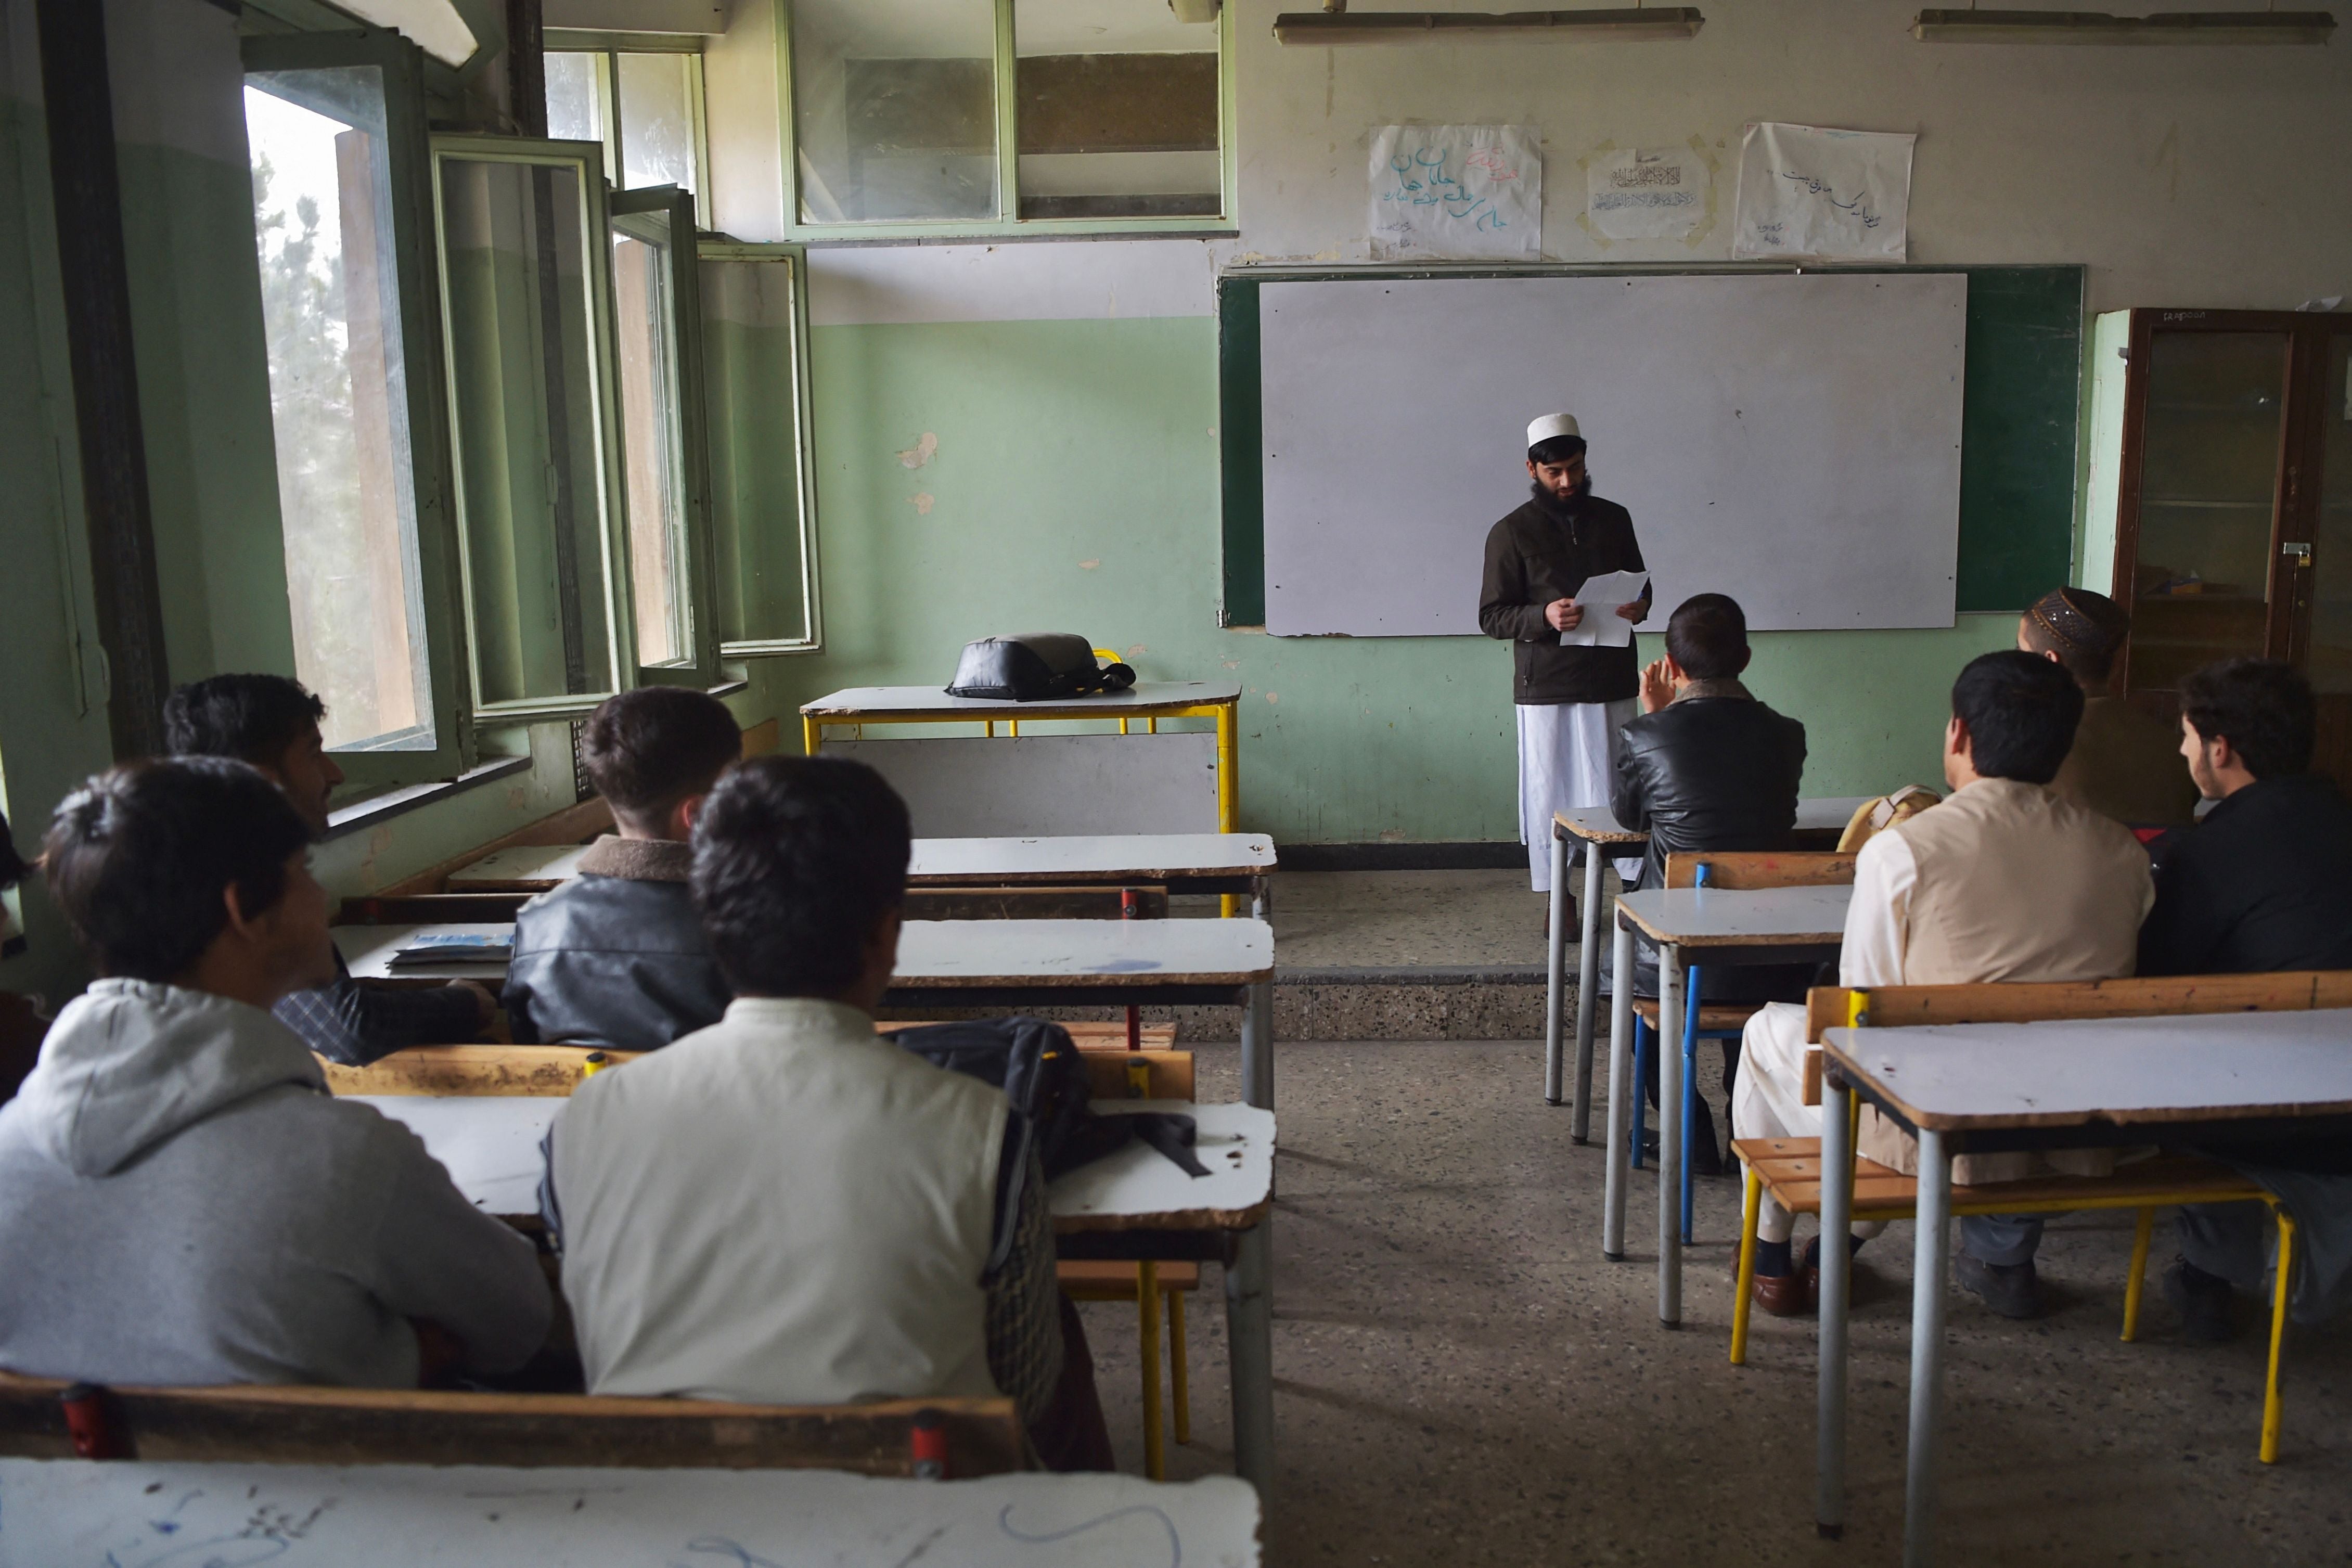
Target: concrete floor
column 1461, row 1378
column 1396, row 919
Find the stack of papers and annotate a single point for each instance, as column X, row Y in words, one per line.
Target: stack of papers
column 1603, row 626
column 456, row 947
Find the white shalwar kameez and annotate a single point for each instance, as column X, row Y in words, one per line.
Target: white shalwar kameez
column 1566, row 757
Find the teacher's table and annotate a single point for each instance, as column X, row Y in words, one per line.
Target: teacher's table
column 1976, row 1088
column 1077, row 784
column 1135, row 1204
column 1711, row 926
column 1591, row 825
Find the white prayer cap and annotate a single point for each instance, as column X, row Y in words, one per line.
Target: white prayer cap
column 1552, row 424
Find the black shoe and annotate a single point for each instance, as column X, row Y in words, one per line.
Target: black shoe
column 2012, row 1289
column 2202, row 1301
column 1707, row 1160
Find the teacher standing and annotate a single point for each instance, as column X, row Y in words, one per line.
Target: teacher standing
column 1571, row 701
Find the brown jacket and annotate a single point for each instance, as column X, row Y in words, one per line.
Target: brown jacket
column 2128, row 766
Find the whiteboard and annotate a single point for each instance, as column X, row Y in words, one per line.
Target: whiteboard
column 1793, row 441
column 71, row 1513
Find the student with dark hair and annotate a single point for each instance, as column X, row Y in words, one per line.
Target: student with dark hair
column 615, row 958
column 2004, row 880
column 185, row 1202
column 2122, row 763
column 785, row 1208
column 272, row 723
column 2265, row 883
column 1709, row 767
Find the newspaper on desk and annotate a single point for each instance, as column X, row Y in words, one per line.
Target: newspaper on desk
column 1600, row 598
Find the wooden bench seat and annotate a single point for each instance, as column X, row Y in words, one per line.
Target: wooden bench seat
column 1790, row 1170
column 1711, row 1016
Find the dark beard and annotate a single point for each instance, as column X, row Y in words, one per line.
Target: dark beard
column 1556, row 507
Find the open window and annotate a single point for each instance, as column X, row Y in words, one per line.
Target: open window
column 526, row 282
column 336, row 138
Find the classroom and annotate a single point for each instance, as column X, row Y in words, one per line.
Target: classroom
column 755, row 785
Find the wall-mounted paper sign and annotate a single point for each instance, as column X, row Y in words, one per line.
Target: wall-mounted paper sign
column 1811, row 195
column 1456, row 193
column 1645, row 193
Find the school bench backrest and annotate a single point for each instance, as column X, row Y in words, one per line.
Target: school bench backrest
column 312, row 1425
column 1752, row 870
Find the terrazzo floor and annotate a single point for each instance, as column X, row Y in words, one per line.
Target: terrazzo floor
column 1397, row 919
column 1461, row 1378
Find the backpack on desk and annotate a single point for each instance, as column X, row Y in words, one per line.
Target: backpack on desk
column 1034, row 667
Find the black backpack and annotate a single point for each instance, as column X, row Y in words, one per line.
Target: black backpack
column 1034, row 666
column 1037, row 1065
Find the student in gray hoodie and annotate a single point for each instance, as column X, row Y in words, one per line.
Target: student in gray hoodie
column 181, row 1201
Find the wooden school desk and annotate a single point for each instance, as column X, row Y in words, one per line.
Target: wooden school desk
column 1134, row 1204
column 1713, row 927
column 391, row 1516
column 1594, row 826
column 1967, row 1088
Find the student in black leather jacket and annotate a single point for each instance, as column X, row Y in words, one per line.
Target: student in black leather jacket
column 1707, row 767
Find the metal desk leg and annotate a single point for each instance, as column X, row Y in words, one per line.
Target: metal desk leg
column 1928, row 1265
column 1249, row 1337
column 1587, row 985
column 1258, row 1044
column 1621, row 1089
column 1669, row 1133
column 1556, row 972
column 1837, row 1226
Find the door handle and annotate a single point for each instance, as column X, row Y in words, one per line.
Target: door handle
column 2302, row 552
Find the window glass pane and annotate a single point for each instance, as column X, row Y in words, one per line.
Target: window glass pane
column 2208, row 476
column 530, row 474
column 656, row 121
column 573, row 114
column 894, row 109
column 323, row 215
column 652, row 440
column 752, row 415
column 1117, row 106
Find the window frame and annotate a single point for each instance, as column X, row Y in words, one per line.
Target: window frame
column 417, row 275
column 811, row 637
column 586, row 159
column 607, row 47
column 1008, row 223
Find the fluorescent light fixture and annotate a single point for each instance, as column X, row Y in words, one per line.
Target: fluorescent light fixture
column 2102, row 27
column 1336, row 25
column 433, row 26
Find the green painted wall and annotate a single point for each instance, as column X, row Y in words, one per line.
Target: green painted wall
column 1075, row 488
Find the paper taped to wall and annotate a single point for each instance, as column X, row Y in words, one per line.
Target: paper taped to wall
column 1812, row 194
column 1645, row 193
column 1600, row 597
column 1456, row 193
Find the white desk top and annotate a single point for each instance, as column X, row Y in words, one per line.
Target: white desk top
column 2204, row 1067
column 1720, row 917
column 391, row 1516
column 1598, row 825
column 1120, row 857
column 904, row 702
column 367, row 951
column 490, row 1146
column 961, row 953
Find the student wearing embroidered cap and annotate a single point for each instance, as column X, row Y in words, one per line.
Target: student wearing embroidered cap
column 1571, row 701
column 2125, row 764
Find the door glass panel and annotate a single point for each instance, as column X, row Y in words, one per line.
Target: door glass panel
column 2208, row 472
column 894, row 109
column 765, row 593
column 522, row 345
column 1117, row 110
column 322, row 212
column 2329, row 661
column 652, row 440
column 657, row 119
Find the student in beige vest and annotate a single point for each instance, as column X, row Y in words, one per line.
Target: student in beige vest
column 2004, row 880
column 2124, row 763
column 784, row 1207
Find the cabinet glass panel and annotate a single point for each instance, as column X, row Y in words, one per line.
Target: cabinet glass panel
column 1117, row 110
column 2329, row 661
column 894, row 109
column 652, row 440
column 2209, row 467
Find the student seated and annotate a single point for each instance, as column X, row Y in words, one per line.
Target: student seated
column 273, row 724
column 185, row 1204
column 615, row 957
column 786, row 1208
column 2264, row 883
column 2004, row 880
column 1709, row 767
column 2122, row 763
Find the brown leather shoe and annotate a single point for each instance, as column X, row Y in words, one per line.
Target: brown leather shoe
column 1782, row 1295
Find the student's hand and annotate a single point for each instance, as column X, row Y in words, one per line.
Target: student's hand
column 1563, row 614
column 485, row 1005
column 1634, row 611
column 1657, row 686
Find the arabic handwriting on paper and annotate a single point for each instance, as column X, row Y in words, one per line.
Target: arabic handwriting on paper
column 1455, row 192
column 1645, row 193
column 1817, row 195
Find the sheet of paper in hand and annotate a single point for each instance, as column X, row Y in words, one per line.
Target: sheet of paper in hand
column 1456, row 193
column 1822, row 196
column 1603, row 626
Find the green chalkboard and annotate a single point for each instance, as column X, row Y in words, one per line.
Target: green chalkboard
column 2018, row 428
